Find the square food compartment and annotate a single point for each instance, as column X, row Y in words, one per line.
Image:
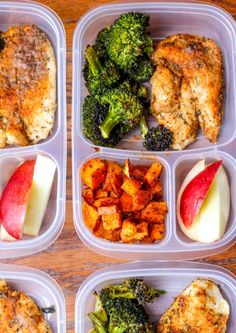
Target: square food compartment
column 20, row 12
column 43, row 290
column 173, row 277
column 165, row 19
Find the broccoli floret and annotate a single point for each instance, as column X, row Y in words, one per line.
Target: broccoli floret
column 98, row 317
column 102, row 42
column 135, row 289
column 98, row 75
column 157, row 138
column 93, row 115
column 125, row 109
column 143, row 70
column 125, row 315
column 128, row 39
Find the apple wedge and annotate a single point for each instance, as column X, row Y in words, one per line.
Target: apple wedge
column 195, row 193
column 5, row 235
column 44, row 172
column 15, row 198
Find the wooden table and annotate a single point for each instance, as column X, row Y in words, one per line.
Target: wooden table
column 68, row 261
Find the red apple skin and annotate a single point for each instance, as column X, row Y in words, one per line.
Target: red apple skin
column 195, row 193
column 15, row 198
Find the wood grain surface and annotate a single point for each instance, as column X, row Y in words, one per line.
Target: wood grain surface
column 68, row 261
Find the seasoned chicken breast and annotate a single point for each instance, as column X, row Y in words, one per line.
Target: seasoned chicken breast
column 19, row 313
column 191, row 66
column 200, row 308
column 27, row 86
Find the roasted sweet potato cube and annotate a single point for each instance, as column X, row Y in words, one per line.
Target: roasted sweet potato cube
column 134, row 172
column 157, row 232
column 101, row 194
column 93, row 173
column 125, row 202
column 91, row 217
column 106, row 210
column 112, row 221
column 153, row 173
column 140, row 199
column 133, row 232
column 155, row 212
column 131, row 186
column 112, row 236
column 114, row 178
column 88, row 195
column 105, row 202
column 156, row 190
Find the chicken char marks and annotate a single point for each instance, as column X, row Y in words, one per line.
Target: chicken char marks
column 187, row 87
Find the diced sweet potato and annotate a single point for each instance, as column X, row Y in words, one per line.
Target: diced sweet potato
column 155, row 212
column 134, row 172
column 105, row 202
column 112, row 236
column 156, row 190
column 112, row 221
column 91, row 217
column 157, row 232
column 114, row 178
column 153, row 173
column 140, row 199
column 101, row 194
column 106, row 210
column 93, row 173
column 131, row 186
column 125, row 202
column 88, row 195
column 132, row 232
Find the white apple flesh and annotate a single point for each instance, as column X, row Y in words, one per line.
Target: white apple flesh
column 210, row 223
column 5, row 235
column 44, row 172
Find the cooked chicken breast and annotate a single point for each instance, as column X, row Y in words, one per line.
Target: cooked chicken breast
column 19, row 313
column 200, row 308
column 27, row 86
column 190, row 65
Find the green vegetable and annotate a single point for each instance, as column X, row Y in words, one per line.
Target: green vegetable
column 99, row 75
column 157, row 138
column 142, row 71
column 125, row 109
column 102, row 42
column 93, row 115
column 128, row 40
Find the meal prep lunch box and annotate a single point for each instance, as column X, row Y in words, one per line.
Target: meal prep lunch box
column 43, row 290
column 54, row 147
column 173, row 277
column 166, row 18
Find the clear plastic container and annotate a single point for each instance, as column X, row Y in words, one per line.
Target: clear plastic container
column 166, row 18
column 43, row 290
column 173, row 277
column 54, row 146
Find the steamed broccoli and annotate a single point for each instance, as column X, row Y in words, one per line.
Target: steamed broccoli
column 125, row 109
column 128, row 40
column 98, row 75
column 134, row 289
column 93, row 114
column 157, row 138
column 143, row 70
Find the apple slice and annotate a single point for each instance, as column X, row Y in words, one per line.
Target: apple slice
column 44, row 172
column 5, row 235
column 195, row 193
column 15, row 198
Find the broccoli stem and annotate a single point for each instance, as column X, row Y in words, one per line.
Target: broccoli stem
column 98, row 325
column 93, row 60
column 143, row 126
column 108, row 124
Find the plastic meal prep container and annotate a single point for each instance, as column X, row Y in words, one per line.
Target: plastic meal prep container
column 166, row 18
column 173, row 277
column 13, row 13
column 43, row 290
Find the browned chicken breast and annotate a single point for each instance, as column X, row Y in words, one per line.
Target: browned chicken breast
column 200, row 308
column 187, row 87
column 19, row 313
column 27, row 86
